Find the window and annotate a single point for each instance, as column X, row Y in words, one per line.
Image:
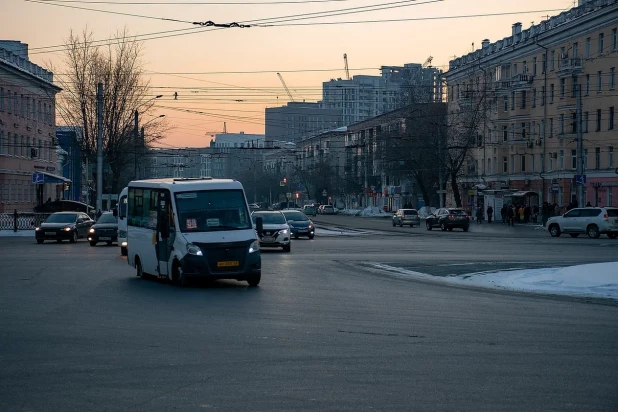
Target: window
column 544, row 63
column 612, row 78
column 551, row 93
column 575, row 50
column 28, row 107
column 543, row 96
column 561, row 160
column 562, row 86
column 542, row 129
column 15, row 144
column 33, row 117
column 512, row 163
column 534, row 66
column 610, row 159
column 599, row 81
column 550, row 162
column 573, row 123
column 505, row 99
column 523, row 99
column 39, row 115
column 610, row 196
column 598, row 120
column 512, row 100
column 611, row 119
column 552, row 58
column 512, row 131
column 573, row 159
column 22, row 149
column 522, row 163
column 588, row 47
column 551, row 127
column 489, row 166
column 597, row 158
column 585, row 122
column 614, row 40
column 523, row 131
column 505, row 133
column 15, row 104
column 574, row 87
column 533, row 97
column 601, row 43
column 532, row 163
column 142, row 205
column 562, row 124
column 1, row 99
column 587, row 84
column 585, row 159
column 1, row 144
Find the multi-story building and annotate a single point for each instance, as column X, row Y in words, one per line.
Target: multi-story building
column 238, row 140
column 297, row 120
column 69, row 138
column 27, row 131
column 526, row 88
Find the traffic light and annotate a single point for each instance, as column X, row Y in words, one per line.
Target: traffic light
column 285, row 180
column 297, row 195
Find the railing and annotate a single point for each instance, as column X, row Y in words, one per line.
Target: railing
column 571, row 63
column 25, row 221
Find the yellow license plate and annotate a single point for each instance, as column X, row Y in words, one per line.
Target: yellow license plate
column 228, row 263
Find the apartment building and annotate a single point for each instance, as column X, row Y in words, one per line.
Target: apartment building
column 298, row 120
column 526, row 87
column 28, row 171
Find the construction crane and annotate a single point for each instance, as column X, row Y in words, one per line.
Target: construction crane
column 285, row 87
column 347, row 70
column 428, row 62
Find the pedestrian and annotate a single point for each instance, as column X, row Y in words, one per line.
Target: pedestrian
column 479, row 215
column 535, row 213
column 510, row 213
column 504, row 214
column 521, row 214
column 588, row 204
column 527, row 213
column 490, row 213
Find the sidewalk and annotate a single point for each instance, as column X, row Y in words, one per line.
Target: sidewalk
column 19, row 233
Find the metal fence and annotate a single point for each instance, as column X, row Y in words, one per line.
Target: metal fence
column 25, row 221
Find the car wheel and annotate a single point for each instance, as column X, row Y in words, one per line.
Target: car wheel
column 58, row 240
column 74, row 237
column 465, row 228
column 254, row 280
column 394, row 223
column 123, row 251
column 109, row 243
column 573, row 234
column 428, row 226
column 612, row 235
column 411, row 225
column 450, row 229
column 93, row 244
column 39, row 241
column 295, row 236
column 287, row 248
column 554, row 231
column 593, row 232
column 443, row 226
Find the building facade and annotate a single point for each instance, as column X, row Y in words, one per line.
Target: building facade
column 297, row 120
column 526, row 85
column 27, row 132
column 68, row 138
column 238, row 140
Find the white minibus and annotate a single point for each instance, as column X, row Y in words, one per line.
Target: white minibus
column 184, row 228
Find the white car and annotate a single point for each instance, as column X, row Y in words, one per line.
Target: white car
column 276, row 231
column 593, row 221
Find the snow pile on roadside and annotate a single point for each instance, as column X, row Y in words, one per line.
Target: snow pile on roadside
column 19, row 233
column 349, row 212
column 423, row 212
column 373, row 211
column 598, row 279
column 323, row 232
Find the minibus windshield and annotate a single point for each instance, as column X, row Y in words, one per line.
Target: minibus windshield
column 212, row 210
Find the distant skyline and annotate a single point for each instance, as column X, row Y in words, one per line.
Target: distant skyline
column 212, row 68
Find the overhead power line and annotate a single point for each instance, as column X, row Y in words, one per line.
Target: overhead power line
column 200, row 3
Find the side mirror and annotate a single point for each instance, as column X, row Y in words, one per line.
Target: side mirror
column 259, row 225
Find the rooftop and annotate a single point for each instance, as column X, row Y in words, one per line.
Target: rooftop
column 15, row 53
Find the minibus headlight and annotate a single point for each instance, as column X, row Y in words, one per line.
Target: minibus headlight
column 255, row 246
column 194, row 250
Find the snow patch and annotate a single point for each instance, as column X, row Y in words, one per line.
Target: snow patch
column 19, row 233
column 373, row 211
column 592, row 280
column 331, row 231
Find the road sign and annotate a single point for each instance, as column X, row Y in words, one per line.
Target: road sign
column 282, row 183
column 289, row 195
column 324, row 193
column 441, row 191
column 580, row 179
column 38, row 178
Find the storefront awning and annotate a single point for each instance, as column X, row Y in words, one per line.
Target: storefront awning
column 46, row 177
column 524, row 193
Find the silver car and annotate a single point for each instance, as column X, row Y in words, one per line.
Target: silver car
column 407, row 217
column 276, row 231
column 593, row 221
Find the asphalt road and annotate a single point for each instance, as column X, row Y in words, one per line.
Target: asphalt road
column 79, row 332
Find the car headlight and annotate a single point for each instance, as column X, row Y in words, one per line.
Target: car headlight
column 284, row 232
column 194, row 250
column 68, row 229
column 37, row 229
column 255, row 246
column 91, row 230
column 310, row 226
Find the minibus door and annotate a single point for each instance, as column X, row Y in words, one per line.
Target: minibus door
column 164, row 232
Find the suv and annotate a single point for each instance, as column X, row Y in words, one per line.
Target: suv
column 309, row 210
column 406, row 217
column 448, row 219
column 593, row 221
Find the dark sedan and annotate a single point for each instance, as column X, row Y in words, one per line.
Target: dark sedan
column 447, row 219
column 300, row 224
column 105, row 230
column 64, row 226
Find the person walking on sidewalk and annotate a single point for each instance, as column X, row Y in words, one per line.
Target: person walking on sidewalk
column 490, row 213
column 510, row 213
column 479, row 215
column 504, row 213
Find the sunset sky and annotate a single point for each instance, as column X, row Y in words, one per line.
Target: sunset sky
column 202, row 65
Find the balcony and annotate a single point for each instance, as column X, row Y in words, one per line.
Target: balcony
column 522, row 81
column 570, row 67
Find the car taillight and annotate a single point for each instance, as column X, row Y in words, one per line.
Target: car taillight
column 467, row 217
column 606, row 216
column 451, row 217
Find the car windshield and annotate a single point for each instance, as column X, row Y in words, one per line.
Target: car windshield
column 62, row 218
column 612, row 212
column 457, row 212
column 107, row 218
column 212, row 210
column 270, row 218
column 410, row 212
column 295, row 216
column 328, row 207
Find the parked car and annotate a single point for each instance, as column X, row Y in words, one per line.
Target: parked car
column 593, row 221
column 310, row 210
column 64, row 226
column 448, row 219
column 104, row 230
column 276, row 231
column 326, row 210
column 300, row 224
column 406, row 217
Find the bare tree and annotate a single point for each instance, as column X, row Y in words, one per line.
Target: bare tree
column 118, row 65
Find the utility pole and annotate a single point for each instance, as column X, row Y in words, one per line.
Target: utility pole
column 99, row 146
column 141, row 152
column 135, row 140
column 580, row 149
